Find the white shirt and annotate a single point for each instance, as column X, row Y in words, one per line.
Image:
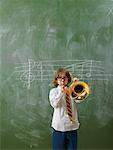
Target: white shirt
column 60, row 120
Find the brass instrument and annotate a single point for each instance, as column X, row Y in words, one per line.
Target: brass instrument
column 79, row 90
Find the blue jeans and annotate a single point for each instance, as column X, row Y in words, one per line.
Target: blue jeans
column 64, row 140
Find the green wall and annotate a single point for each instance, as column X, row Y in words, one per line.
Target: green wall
column 38, row 36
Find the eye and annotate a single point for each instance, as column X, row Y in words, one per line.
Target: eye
column 62, row 78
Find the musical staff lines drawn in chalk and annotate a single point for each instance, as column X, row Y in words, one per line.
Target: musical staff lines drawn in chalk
column 40, row 71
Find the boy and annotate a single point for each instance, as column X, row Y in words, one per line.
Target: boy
column 65, row 118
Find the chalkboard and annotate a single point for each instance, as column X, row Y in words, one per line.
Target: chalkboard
column 39, row 36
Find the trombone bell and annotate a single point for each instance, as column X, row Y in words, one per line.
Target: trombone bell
column 79, row 90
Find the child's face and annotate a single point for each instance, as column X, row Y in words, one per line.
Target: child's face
column 62, row 80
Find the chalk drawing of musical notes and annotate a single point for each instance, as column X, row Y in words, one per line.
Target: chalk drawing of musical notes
column 40, row 71
column 89, row 69
column 26, row 72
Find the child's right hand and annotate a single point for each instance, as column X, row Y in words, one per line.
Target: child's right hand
column 62, row 88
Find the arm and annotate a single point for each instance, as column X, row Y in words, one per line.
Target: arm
column 55, row 97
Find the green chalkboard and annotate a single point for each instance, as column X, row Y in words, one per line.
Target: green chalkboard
column 37, row 37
